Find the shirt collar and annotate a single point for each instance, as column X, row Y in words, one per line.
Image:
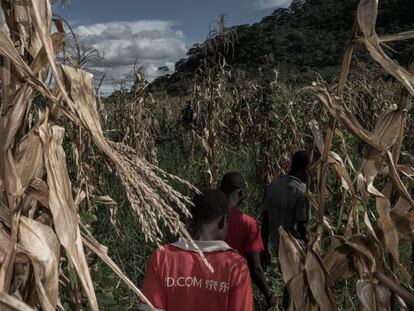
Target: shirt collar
column 294, row 177
column 204, row 246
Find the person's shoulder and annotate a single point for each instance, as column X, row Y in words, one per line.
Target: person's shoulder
column 236, row 263
column 248, row 219
column 233, row 257
column 279, row 181
column 245, row 218
column 297, row 184
column 164, row 250
column 235, row 211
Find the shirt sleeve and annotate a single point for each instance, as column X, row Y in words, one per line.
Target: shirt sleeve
column 254, row 239
column 302, row 208
column 241, row 295
column 154, row 287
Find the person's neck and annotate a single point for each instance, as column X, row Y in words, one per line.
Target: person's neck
column 233, row 203
column 299, row 175
column 204, row 234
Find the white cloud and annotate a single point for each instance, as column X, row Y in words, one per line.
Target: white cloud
column 272, row 4
column 150, row 43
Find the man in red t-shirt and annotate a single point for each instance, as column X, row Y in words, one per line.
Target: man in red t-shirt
column 244, row 234
column 178, row 280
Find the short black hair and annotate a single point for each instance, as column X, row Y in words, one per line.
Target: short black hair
column 232, row 181
column 300, row 161
column 208, row 205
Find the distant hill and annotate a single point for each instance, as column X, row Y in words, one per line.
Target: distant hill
column 306, row 38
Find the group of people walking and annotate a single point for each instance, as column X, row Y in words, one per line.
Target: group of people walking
column 177, row 278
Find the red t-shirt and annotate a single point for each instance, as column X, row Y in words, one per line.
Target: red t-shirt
column 178, row 280
column 244, row 234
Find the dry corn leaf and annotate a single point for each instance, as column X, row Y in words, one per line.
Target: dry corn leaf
column 41, row 61
column 41, row 242
column 406, row 35
column 341, row 114
column 29, row 159
column 113, row 206
column 291, row 255
column 367, row 15
column 341, row 171
column 317, row 135
column 22, row 69
column 404, row 222
column 398, row 184
column 373, row 297
column 387, row 226
column 299, row 292
column 338, row 260
column 23, row 256
column 334, row 159
column 319, row 281
column 4, row 242
column 10, row 303
column 39, row 191
column 41, row 12
column 395, row 286
column 364, row 260
column 62, row 205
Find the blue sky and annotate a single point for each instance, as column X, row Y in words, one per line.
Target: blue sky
column 154, row 33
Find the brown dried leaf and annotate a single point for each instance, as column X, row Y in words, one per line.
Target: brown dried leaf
column 291, row 255
column 388, row 227
column 42, row 243
column 398, row 184
column 10, row 303
column 299, row 292
column 338, row 260
column 367, row 16
column 319, row 281
column 402, row 216
column 373, row 297
column 41, row 12
column 317, row 135
column 29, row 159
column 62, row 205
column 397, row 37
column 113, row 206
column 22, row 69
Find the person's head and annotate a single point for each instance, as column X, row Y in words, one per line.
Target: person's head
column 299, row 165
column 232, row 184
column 210, row 212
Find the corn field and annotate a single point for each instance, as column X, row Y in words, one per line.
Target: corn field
column 42, row 235
column 58, row 141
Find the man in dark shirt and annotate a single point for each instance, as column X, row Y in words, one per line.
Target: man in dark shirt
column 285, row 204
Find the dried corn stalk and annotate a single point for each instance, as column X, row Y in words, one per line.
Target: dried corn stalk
column 37, row 204
column 353, row 254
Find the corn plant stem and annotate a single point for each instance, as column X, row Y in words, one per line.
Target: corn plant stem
column 5, row 81
column 412, row 263
column 347, row 58
column 341, row 211
column 396, row 288
column 6, row 271
column 324, row 168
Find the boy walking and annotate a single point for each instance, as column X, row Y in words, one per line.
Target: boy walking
column 244, row 233
column 178, row 280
